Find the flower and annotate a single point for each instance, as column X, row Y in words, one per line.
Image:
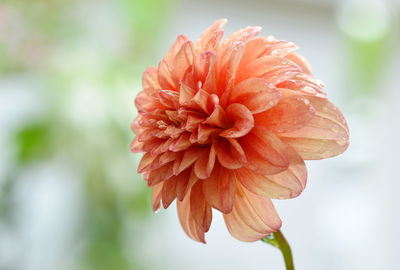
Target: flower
column 227, row 125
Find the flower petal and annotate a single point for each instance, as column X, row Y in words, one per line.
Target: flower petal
column 150, row 80
column 219, row 189
column 201, row 210
column 301, row 61
column 241, row 119
column 168, row 193
column 205, row 163
column 287, row 184
column 253, row 217
column 184, row 181
column 211, row 36
column 265, row 152
column 273, row 68
column 156, row 196
column 326, row 135
column 291, row 113
column 255, row 94
column 187, row 221
column 230, row 153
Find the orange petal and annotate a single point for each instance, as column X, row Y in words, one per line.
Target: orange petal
column 217, row 117
column 274, row 69
column 219, row 189
column 156, row 196
column 187, row 221
column 205, row 163
column 202, row 65
column 165, row 76
column 174, row 49
column 255, row 94
column 253, row 217
column 185, row 180
column 200, row 209
column 185, row 94
column 291, row 113
column 265, row 152
column 182, row 143
column 241, row 118
column 159, row 175
column 211, row 36
column 183, row 60
column 326, row 135
column 305, row 84
column 169, row 99
column 146, row 103
column 189, row 157
column 230, row 153
column 301, row 61
column 168, row 193
column 145, row 162
column 287, row 184
column 150, row 80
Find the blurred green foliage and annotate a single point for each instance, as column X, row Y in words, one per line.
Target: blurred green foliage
column 47, row 41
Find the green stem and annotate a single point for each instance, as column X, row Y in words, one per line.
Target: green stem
column 278, row 240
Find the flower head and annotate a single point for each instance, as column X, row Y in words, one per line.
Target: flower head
column 227, row 125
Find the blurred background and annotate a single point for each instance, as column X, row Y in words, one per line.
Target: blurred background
column 70, row 198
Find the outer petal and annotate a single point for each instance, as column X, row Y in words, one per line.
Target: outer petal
column 273, row 68
column 255, row 94
column 150, row 80
column 287, row 184
column 326, row 135
column 253, row 217
column 219, row 189
column 201, row 210
column 211, row 36
column 188, row 223
column 265, row 152
column 168, row 193
column 292, row 112
column 156, row 196
column 301, row 61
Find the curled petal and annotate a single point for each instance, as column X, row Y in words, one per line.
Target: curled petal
column 217, row 118
column 273, row 68
column 301, row 61
column 230, row 153
column 326, row 135
column 253, row 217
column 287, row 184
column 242, row 121
column 265, row 152
column 205, row 163
column 256, row 94
column 291, row 113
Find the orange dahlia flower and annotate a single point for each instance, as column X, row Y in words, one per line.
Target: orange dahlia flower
column 228, row 125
